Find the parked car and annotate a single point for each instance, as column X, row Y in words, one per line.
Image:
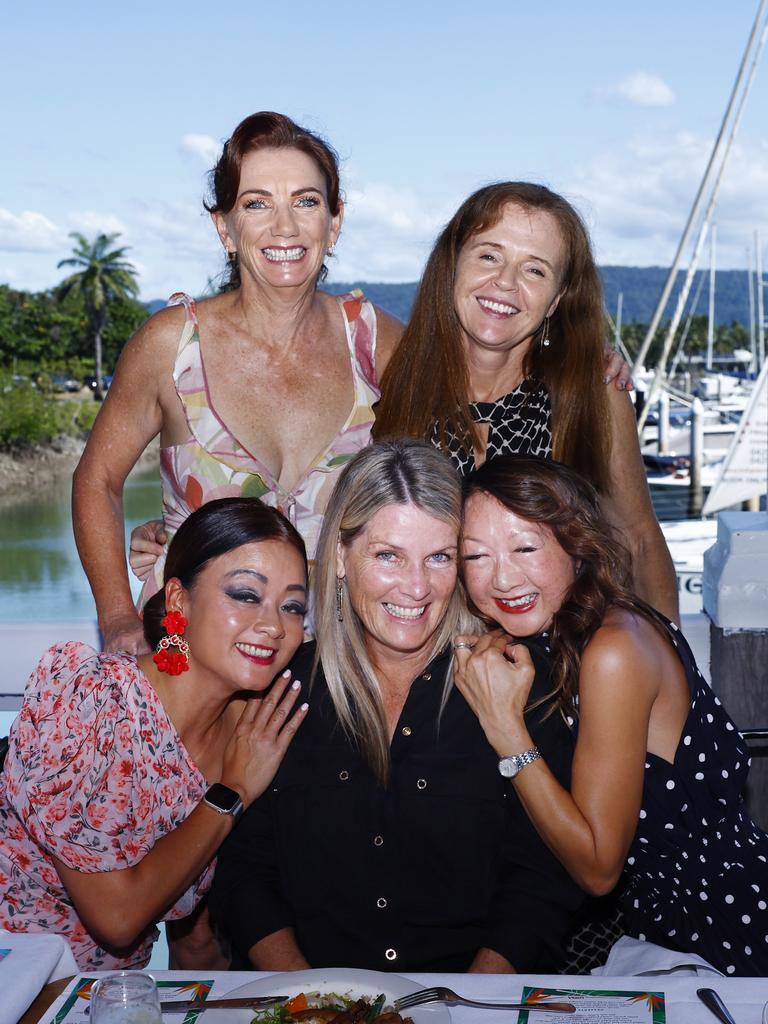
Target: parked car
column 60, row 382
column 18, row 380
column 90, row 382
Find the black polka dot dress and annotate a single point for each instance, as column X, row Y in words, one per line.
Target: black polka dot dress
column 518, row 424
column 697, row 870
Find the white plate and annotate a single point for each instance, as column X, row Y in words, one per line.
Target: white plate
column 345, row 981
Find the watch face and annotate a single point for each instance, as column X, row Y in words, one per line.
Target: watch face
column 509, row 767
column 223, row 797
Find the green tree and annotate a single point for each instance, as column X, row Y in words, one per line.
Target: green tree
column 103, row 274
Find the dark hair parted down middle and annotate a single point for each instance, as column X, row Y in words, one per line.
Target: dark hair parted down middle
column 214, row 529
column 268, row 130
column 427, row 379
column 552, row 495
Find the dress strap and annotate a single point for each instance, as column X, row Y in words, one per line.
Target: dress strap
column 361, row 332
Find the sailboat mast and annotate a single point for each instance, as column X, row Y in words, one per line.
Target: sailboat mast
column 711, row 312
column 760, row 302
column 659, row 374
column 667, row 290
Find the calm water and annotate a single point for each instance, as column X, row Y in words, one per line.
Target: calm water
column 40, row 572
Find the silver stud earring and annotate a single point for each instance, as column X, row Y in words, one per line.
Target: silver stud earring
column 331, row 250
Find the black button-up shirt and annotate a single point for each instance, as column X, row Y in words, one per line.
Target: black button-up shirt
column 414, row 877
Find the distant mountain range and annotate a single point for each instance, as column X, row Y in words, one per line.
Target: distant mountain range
column 640, row 287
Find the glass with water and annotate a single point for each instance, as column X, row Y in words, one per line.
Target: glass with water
column 128, row 997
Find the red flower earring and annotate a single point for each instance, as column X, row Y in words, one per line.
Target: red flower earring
column 173, row 662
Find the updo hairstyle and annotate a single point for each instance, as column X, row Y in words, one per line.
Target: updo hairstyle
column 214, row 529
column 267, row 130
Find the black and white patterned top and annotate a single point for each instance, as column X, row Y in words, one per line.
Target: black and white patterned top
column 518, row 424
column 697, row 870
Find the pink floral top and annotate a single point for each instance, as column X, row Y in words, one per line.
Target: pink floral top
column 214, row 464
column 95, row 775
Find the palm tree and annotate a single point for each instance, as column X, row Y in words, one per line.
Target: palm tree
column 102, row 274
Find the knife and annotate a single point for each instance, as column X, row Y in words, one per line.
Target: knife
column 713, row 1002
column 235, row 1003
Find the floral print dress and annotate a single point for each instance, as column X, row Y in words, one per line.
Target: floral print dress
column 95, row 775
column 213, row 463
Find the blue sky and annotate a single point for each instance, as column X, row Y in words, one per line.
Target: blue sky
column 111, row 115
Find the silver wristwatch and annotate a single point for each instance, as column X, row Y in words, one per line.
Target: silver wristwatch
column 514, row 764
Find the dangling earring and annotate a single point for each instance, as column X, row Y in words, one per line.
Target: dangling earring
column 545, row 342
column 331, row 250
column 172, row 662
column 231, row 258
column 339, row 597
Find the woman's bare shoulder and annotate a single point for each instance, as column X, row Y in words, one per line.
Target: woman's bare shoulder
column 625, row 642
column 162, row 329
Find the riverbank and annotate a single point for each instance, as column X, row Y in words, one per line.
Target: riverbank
column 35, row 468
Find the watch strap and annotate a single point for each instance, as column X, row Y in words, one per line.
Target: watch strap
column 513, row 764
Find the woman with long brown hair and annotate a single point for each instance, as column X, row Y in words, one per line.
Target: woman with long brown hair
column 505, row 354
column 655, row 797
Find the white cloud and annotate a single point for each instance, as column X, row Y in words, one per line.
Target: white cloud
column 28, row 232
column 636, row 198
column 204, row 147
column 646, row 90
column 388, row 232
column 94, row 222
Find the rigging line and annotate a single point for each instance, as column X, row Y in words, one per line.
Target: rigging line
column 659, row 375
column 656, row 319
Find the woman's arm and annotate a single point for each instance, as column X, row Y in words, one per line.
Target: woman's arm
column 628, row 507
column 591, row 827
column 116, row 906
column 131, row 416
column 278, row 952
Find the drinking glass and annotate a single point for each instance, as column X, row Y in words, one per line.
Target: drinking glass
column 128, row 997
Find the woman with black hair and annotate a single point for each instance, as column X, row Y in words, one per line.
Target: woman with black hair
column 125, row 774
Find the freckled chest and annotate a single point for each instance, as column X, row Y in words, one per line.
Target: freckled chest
column 284, row 406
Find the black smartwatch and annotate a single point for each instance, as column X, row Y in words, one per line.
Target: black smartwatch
column 224, row 800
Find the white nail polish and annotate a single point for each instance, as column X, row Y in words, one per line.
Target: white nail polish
column 286, row 674
column 295, row 685
column 304, row 707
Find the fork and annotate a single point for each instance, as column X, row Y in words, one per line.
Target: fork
column 447, row 995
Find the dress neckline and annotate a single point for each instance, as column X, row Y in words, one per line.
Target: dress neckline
column 319, row 463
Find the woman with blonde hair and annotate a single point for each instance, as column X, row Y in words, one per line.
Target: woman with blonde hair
column 389, row 839
column 505, row 353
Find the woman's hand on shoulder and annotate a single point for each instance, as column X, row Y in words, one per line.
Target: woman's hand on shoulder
column 617, row 371
column 495, row 676
column 261, row 738
column 124, row 634
column 147, row 544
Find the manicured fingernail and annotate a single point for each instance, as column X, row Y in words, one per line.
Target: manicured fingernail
column 286, row 674
column 623, row 385
column 295, row 685
column 304, row 707
column 606, row 380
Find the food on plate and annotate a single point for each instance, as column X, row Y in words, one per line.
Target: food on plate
column 331, row 1008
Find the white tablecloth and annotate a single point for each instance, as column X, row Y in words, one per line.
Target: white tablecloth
column 744, row 996
column 31, row 962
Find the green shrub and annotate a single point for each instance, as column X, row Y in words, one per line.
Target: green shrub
column 26, row 417
column 85, row 414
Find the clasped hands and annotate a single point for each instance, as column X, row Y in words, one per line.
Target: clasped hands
column 494, row 673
